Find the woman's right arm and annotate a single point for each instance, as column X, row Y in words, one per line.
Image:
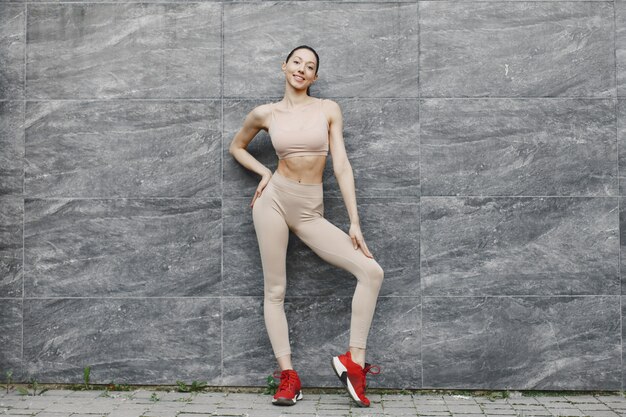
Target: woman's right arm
column 251, row 126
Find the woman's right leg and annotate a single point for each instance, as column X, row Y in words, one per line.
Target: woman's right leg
column 273, row 235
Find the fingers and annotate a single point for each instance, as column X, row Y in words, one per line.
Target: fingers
column 257, row 194
column 366, row 250
column 361, row 244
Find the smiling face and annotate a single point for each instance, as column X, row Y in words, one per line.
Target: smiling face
column 300, row 70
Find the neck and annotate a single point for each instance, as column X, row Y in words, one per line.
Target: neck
column 294, row 98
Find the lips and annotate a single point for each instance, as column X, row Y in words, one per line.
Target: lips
column 298, row 78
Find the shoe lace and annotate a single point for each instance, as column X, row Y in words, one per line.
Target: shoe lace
column 370, row 368
column 287, row 380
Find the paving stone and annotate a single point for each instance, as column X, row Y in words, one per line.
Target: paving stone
column 47, row 414
column 56, row 393
column 592, row 406
column 553, row 399
column 160, row 413
column 459, row 400
column 401, row 397
column 522, row 400
column 425, row 408
column 22, row 411
column 83, row 394
column 88, row 415
column 529, row 407
column 601, row 413
column 576, row 399
column 122, row 414
column 499, row 415
column 400, row 411
column 364, row 413
column 195, row 415
column 616, row 405
column 564, row 412
column 510, row 412
column 199, row 408
column 465, row 409
column 499, row 406
column 468, row 415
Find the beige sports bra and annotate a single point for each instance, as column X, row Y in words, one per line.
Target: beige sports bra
column 299, row 132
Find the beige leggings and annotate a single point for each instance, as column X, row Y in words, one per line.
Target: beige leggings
column 287, row 204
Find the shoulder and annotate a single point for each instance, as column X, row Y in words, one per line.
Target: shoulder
column 332, row 110
column 261, row 114
column 330, row 105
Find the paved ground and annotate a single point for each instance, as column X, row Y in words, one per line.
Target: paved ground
column 141, row 402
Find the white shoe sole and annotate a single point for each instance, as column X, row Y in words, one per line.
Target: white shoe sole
column 342, row 374
column 287, row 401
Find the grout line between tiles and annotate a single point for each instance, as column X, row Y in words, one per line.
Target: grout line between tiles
column 619, row 255
column 222, row 376
column 23, row 132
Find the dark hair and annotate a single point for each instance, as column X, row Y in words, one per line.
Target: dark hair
column 316, row 57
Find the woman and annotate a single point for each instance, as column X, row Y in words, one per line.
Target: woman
column 302, row 130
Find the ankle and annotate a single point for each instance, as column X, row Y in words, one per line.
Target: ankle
column 358, row 356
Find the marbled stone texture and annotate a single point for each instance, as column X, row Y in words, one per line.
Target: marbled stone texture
column 11, row 148
column 378, row 59
column 11, row 246
column 519, row 246
column 123, row 50
column 516, row 49
column 12, row 46
column 122, row 247
column 527, row 147
column 487, row 141
column 139, row 340
column 11, row 338
column 522, row 342
column 123, row 149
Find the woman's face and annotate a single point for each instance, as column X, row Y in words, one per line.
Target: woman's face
column 300, row 69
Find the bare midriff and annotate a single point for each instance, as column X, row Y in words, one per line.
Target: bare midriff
column 304, row 169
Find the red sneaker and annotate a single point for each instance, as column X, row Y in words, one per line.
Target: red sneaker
column 288, row 389
column 352, row 375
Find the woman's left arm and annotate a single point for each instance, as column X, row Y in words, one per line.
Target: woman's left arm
column 343, row 172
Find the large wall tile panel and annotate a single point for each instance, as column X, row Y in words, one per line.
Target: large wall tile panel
column 11, row 148
column 519, row 246
column 138, row 340
column 522, row 342
column 518, row 147
column 12, row 46
column 620, row 46
column 125, row 50
column 122, row 247
column 516, row 49
column 11, row 246
column 123, row 148
column 11, row 338
column 378, row 58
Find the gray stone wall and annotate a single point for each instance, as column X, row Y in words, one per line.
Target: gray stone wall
column 485, row 140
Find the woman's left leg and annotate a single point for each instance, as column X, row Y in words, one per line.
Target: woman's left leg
column 335, row 246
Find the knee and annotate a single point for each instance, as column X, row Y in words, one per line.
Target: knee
column 275, row 294
column 376, row 273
